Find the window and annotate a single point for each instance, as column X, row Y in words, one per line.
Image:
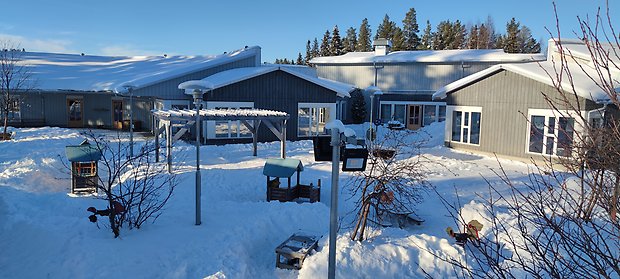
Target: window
column 550, row 135
column 419, row 114
column 386, row 112
column 466, row 124
column 429, row 114
column 86, row 169
column 311, row 118
column 14, row 108
column 442, row 113
column 228, row 128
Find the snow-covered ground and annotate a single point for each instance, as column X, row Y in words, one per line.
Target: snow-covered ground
column 45, row 233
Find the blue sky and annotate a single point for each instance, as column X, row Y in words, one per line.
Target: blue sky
column 280, row 27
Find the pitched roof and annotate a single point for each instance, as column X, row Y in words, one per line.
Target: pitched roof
column 544, row 72
column 430, row 56
column 282, row 167
column 228, row 77
column 55, row 71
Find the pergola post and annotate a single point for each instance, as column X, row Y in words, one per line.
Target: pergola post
column 169, row 145
column 283, row 140
column 156, row 129
column 255, row 137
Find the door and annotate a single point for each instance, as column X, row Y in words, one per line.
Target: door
column 117, row 114
column 414, row 117
column 74, row 113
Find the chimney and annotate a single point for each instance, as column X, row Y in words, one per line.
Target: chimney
column 382, row 46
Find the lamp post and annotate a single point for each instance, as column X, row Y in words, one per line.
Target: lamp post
column 129, row 89
column 197, row 89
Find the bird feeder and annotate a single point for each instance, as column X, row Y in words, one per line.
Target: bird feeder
column 84, row 173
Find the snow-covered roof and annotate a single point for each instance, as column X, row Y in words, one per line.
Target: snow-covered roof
column 228, row 77
column 542, row 72
column 55, row 71
column 579, row 50
column 214, row 114
column 430, row 56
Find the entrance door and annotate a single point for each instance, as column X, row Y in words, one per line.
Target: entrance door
column 414, row 117
column 74, row 112
column 117, row 114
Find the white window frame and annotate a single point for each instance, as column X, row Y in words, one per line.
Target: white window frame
column 209, row 132
column 167, row 104
column 331, row 109
column 547, row 113
column 448, row 129
column 15, row 115
column 392, row 103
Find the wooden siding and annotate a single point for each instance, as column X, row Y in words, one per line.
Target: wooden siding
column 276, row 90
column 505, row 98
column 169, row 89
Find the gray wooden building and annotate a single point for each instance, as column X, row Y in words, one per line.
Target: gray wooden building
column 310, row 101
column 505, row 109
column 70, row 90
column 409, row 78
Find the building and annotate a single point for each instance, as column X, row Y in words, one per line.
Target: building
column 310, row 101
column 71, row 90
column 505, row 109
column 408, row 79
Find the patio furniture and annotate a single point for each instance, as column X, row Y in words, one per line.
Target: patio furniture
column 293, row 251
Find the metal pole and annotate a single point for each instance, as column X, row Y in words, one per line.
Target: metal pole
column 372, row 96
column 198, row 177
column 333, row 213
column 131, row 121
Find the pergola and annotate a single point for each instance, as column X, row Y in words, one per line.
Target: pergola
column 250, row 118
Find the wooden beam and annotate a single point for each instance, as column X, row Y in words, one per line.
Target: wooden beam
column 183, row 130
column 169, row 146
column 283, row 139
column 273, row 129
column 156, row 140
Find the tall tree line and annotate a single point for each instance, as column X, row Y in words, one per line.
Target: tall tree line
column 447, row 34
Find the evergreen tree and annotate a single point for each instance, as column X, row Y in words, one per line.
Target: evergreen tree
column 335, row 47
column 510, row 41
column 398, row 39
column 411, row 30
column 325, row 49
column 358, row 107
column 363, row 41
column 427, row 38
column 300, row 59
column 484, row 37
column 527, row 42
column 285, row 61
column 315, row 48
column 386, row 28
column 350, row 41
column 472, row 39
column 459, row 34
column 308, row 54
column 277, row 61
column 443, row 36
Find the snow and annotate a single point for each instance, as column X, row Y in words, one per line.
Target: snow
column 218, row 113
column 228, row 77
column 430, row 56
column 42, row 226
column 191, row 85
column 55, row 71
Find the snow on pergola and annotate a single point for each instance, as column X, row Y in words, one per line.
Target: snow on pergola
column 250, row 118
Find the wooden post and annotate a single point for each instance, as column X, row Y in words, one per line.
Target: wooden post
column 169, row 145
column 255, row 137
column 156, row 140
column 283, row 140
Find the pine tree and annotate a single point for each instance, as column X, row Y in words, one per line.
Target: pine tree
column 443, row 36
column 300, row 59
column 426, row 41
column 385, row 29
column 484, row 37
column 335, row 46
column 350, row 41
column 308, row 56
column 363, row 41
column 411, row 30
column 459, row 34
column 315, row 48
column 472, row 39
column 398, row 39
column 510, row 42
column 325, row 49
column 358, row 107
column 527, row 43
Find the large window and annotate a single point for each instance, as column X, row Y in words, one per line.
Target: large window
column 228, row 128
column 397, row 110
column 311, row 118
column 14, row 111
column 466, row 124
column 550, row 134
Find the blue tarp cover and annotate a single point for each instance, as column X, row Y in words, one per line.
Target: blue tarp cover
column 82, row 153
column 282, row 167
